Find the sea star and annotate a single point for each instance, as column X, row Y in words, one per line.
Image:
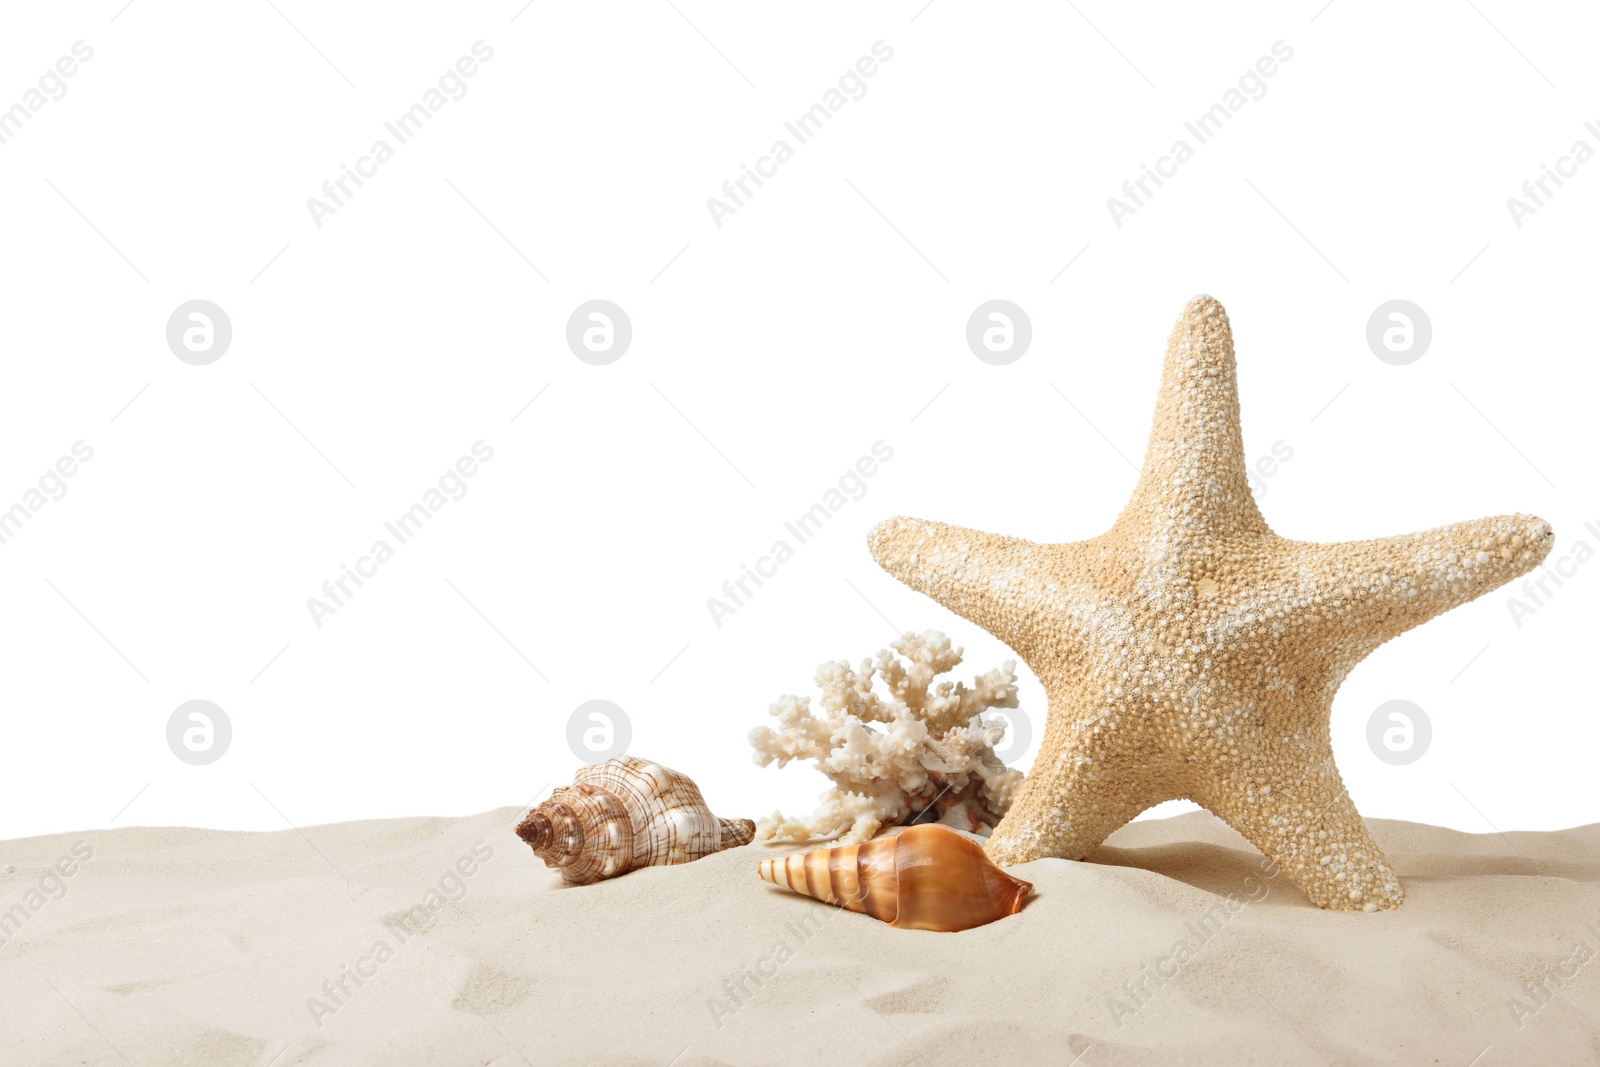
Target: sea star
column 1191, row 653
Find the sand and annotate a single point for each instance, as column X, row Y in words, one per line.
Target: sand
column 177, row 946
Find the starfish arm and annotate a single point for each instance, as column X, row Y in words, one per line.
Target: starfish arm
column 979, row 576
column 1190, row 651
column 1289, row 801
column 1194, row 480
column 1082, row 787
column 1359, row 594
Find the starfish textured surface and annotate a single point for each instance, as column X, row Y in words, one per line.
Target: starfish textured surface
column 1191, row 653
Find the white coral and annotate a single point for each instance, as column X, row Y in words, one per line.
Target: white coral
column 933, row 750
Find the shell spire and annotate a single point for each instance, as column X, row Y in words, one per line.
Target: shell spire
column 926, row 877
column 624, row 814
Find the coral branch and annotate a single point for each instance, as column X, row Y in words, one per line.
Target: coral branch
column 921, row 753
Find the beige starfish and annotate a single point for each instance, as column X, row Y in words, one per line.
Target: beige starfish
column 1191, row 653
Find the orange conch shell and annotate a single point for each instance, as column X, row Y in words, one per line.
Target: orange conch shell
column 926, row 877
column 624, row 814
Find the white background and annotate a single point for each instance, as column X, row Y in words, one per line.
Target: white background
column 823, row 316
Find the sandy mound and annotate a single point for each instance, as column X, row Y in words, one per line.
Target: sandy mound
column 443, row 941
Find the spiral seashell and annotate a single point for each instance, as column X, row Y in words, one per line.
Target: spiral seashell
column 624, row 814
column 926, row 877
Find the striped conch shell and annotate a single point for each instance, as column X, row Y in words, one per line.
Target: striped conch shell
column 624, row 814
column 926, row 877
